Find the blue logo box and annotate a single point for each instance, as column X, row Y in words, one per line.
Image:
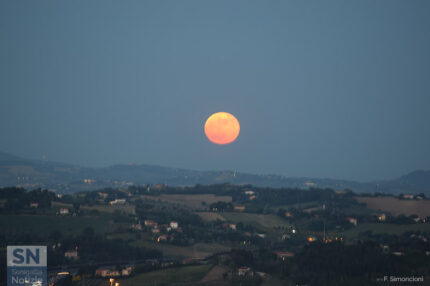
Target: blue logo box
column 26, row 266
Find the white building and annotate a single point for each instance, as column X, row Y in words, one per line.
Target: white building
column 408, row 196
column 118, row 202
column 71, row 254
column 64, row 211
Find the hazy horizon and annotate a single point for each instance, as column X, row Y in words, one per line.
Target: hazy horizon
column 322, row 89
column 210, row 170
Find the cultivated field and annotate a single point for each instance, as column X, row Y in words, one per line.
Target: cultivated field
column 260, row 220
column 215, row 274
column 210, row 216
column 186, row 275
column 129, row 209
column 396, row 206
column 380, row 228
column 191, row 201
column 45, row 225
column 198, row 250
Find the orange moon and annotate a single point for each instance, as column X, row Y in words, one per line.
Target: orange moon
column 222, row 128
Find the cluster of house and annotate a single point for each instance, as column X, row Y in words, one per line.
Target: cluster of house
column 419, row 236
column 239, row 208
column 72, row 254
column 102, row 271
column 157, row 229
column 231, row 226
column 118, row 202
column 418, row 219
column 247, row 271
column 330, row 239
column 383, row 217
column 103, row 196
column 34, row 205
column 114, row 272
column 386, row 248
column 251, row 194
column 412, row 197
column 352, row 220
column 64, row 211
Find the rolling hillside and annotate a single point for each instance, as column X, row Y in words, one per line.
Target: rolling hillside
column 17, row 171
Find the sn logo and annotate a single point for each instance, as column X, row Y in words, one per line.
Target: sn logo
column 26, row 256
column 18, row 256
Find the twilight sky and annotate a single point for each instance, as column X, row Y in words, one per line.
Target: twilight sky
column 335, row 89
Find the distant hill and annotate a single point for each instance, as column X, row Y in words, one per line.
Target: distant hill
column 17, row 171
column 414, row 182
column 5, row 157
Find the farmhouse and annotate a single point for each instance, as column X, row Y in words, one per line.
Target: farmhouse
column 288, row 214
column 150, row 223
column 136, row 226
column 71, row 254
column 284, row 254
column 352, row 220
column 232, row 226
column 243, row 271
column 408, row 196
column 103, row 195
column 64, row 211
column 162, row 238
column 174, row 224
column 107, row 272
column 118, row 202
column 382, row 217
column 127, row 271
column 262, row 235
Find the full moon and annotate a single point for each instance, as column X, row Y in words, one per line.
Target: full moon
column 222, row 128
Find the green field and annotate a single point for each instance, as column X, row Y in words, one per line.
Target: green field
column 261, row 221
column 297, row 206
column 199, row 250
column 210, row 216
column 396, row 206
column 190, row 201
column 380, row 228
column 45, row 225
column 180, row 275
column 129, row 209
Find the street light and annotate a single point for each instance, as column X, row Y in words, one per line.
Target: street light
column 111, row 281
column 116, row 284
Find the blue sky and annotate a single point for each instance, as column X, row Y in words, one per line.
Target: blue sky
column 335, row 89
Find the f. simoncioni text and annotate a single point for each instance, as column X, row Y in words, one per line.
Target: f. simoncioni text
column 393, row 278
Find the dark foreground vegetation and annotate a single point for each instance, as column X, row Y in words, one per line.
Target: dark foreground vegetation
column 218, row 234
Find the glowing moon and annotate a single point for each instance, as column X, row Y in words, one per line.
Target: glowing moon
column 222, row 128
